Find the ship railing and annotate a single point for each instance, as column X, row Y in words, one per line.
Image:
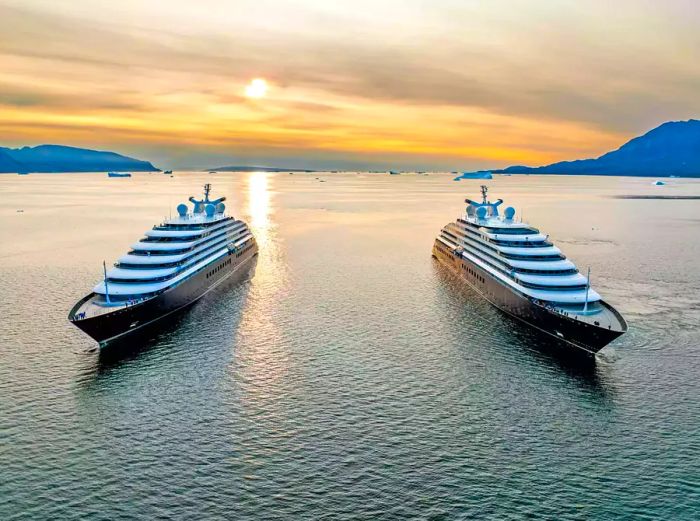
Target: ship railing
column 575, row 314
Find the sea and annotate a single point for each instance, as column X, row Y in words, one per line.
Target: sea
column 348, row 376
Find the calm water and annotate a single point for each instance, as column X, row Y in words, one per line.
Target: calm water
column 351, row 377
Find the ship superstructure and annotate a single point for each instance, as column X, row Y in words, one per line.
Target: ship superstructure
column 173, row 265
column 519, row 270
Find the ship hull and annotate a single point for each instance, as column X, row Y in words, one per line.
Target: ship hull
column 117, row 325
column 579, row 337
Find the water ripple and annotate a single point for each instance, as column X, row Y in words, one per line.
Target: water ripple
column 351, row 376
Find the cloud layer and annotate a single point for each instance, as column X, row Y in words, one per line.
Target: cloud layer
column 442, row 84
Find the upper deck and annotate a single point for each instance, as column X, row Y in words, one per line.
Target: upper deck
column 519, row 256
column 190, row 220
column 170, row 253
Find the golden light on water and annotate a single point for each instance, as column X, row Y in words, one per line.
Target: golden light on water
column 257, row 88
column 264, row 360
column 259, row 203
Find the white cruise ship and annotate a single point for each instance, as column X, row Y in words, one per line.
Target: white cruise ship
column 171, row 267
column 520, row 271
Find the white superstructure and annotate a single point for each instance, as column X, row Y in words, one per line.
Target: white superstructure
column 519, row 256
column 174, row 250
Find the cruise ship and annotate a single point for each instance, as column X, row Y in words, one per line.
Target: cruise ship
column 518, row 270
column 173, row 266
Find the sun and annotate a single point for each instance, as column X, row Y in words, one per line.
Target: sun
column 257, row 88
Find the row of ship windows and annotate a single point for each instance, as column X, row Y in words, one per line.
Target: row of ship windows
column 480, row 256
column 214, row 234
column 497, row 263
column 514, row 244
column 505, row 231
column 527, row 244
column 187, row 239
column 515, row 256
column 180, row 227
column 477, row 233
column 144, row 296
column 491, row 264
column 473, row 273
column 139, row 281
column 228, row 262
column 189, row 260
column 552, row 288
column 218, row 268
column 526, row 284
column 224, row 238
column 571, row 271
column 157, row 279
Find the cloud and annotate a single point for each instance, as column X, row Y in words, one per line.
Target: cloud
column 405, row 75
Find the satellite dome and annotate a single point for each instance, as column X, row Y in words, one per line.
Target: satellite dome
column 481, row 212
column 182, row 210
column 209, row 209
column 220, row 207
column 509, row 213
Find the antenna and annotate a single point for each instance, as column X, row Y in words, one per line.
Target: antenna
column 588, row 286
column 104, row 267
column 207, row 189
column 484, row 191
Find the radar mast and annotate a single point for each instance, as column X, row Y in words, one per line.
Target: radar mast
column 484, row 191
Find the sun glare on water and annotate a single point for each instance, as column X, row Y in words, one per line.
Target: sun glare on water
column 257, row 88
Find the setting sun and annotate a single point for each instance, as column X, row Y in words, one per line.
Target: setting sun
column 257, row 88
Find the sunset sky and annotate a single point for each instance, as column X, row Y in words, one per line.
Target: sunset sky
column 441, row 84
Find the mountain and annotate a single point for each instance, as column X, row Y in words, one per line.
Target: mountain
column 255, row 169
column 7, row 164
column 57, row 158
column 671, row 149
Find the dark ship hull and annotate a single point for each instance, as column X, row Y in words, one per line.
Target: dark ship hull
column 582, row 337
column 109, row 327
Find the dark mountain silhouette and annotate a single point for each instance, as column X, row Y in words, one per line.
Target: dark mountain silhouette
column 7, row 164
column 671, row 149
column 57, row 158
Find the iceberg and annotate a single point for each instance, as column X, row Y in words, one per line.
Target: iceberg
column 475, row 175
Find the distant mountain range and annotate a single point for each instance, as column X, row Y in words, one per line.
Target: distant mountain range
column 57, row 158
column 671, row 149
column 255, row 169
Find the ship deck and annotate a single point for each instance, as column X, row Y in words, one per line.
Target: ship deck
column 92, row 306
column 606, row 317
